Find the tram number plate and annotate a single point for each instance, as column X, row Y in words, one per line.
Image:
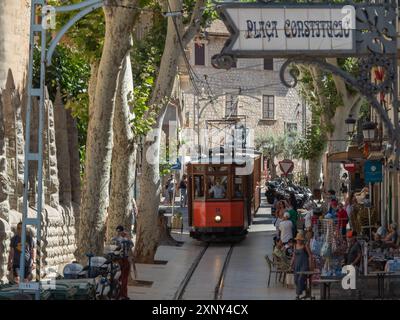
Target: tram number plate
column 29, row 286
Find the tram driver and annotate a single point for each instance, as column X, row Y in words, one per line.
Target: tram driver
column 217, row 191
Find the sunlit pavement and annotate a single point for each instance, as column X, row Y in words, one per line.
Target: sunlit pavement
column 246, row 276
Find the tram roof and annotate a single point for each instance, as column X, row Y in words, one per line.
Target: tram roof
column 226, row 158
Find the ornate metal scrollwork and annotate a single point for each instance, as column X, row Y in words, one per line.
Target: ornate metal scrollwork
column 376, row 27
column 366, row 67
column 222, row 61
column 362, row 84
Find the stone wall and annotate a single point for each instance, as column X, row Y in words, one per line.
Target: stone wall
column 59, row 177
column 14, row 40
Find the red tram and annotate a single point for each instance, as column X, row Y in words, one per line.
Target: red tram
column 223, row 195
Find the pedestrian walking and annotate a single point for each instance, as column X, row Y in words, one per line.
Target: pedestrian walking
column 183, row 191
column 124, row 245
column 301, row 261
column 15, row 254
column 134, row 215
column 170, row 186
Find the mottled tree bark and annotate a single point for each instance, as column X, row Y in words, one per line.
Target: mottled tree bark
column 119, row 24
column 123, row 156
column 147, row 229
column 64, row 165
column 337, row 139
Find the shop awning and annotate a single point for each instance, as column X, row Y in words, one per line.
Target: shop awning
column 353, row 154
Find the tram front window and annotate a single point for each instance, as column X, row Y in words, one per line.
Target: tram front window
column 217, row 187
column 199, row 187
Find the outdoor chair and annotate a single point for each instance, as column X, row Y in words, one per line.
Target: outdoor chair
column 275, row 267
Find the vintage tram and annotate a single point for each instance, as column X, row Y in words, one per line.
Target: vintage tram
column 223, row 195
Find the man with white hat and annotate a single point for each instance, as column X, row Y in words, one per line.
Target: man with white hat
column 286, row 228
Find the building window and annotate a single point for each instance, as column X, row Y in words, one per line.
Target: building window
column 187, row 118
column 268, row 107
column 231, row 105
column 268, row 64
column 199, row 54
column 290, row 127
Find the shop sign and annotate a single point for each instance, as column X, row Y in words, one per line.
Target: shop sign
column 290, row 29
column 373, row 171
column 350, row 167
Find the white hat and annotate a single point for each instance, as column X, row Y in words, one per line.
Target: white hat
column 286, row 214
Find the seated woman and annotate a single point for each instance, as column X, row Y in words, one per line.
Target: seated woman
column 391, row 237
column 279, row 253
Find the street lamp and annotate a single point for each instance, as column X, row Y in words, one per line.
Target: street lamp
column 351, row 124
column 368, row 129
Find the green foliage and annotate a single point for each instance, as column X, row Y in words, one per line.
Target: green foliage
column 165, row 169
column 146, row 58
column 70, row 72
column 312, row 145
column 272, row 145
column 87, row 34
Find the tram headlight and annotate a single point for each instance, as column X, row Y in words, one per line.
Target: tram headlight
column 217, row 218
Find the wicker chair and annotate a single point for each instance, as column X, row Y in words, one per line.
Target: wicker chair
column 275, row 266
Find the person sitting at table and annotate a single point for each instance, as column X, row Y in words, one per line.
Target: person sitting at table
column 354, row 252
column 301, row 261
column 279, row 253
column 391, row 238
column 380, row 233
column 289, row 247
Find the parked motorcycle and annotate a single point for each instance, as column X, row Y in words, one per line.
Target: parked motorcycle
column 281, row 190
column 108, row 281
column 105, row 270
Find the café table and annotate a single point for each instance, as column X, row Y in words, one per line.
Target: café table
column 381, row 282
column 308, row 275
column 326, row 287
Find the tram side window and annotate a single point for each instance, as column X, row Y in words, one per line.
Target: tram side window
column 217, row 187
column 238, row 187
column 198, row 187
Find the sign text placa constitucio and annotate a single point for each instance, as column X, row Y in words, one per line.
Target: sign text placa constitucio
column 281, row 28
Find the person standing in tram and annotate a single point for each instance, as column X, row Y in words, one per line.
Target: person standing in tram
column 217, row 190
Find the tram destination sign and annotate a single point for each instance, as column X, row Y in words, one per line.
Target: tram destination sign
column 287, row 29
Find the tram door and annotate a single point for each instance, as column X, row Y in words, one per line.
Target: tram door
column 189, row 200
column 249, row 197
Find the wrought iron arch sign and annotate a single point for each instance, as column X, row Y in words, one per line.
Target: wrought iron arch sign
column 306, row 33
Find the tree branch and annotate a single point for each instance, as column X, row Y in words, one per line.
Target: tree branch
column 340, row 84
column 195, row 21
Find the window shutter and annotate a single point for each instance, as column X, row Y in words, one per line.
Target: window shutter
column 199, row 54
column 268, row 64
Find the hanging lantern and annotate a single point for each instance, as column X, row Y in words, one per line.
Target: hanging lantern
column 351, row 124
column 368, row 129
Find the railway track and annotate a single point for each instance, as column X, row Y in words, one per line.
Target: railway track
column 206, row 276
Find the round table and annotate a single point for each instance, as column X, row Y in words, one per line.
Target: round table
column 308, row 275
column 381, row 282
column 326, row 287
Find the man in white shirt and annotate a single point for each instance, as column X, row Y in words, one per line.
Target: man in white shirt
column 218, row 190
column 308, row 215
column 286, row 228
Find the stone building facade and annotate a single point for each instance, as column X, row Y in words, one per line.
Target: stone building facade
column 61, row 167
column 61, row 209
column 14, row 40
column 252, row 89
